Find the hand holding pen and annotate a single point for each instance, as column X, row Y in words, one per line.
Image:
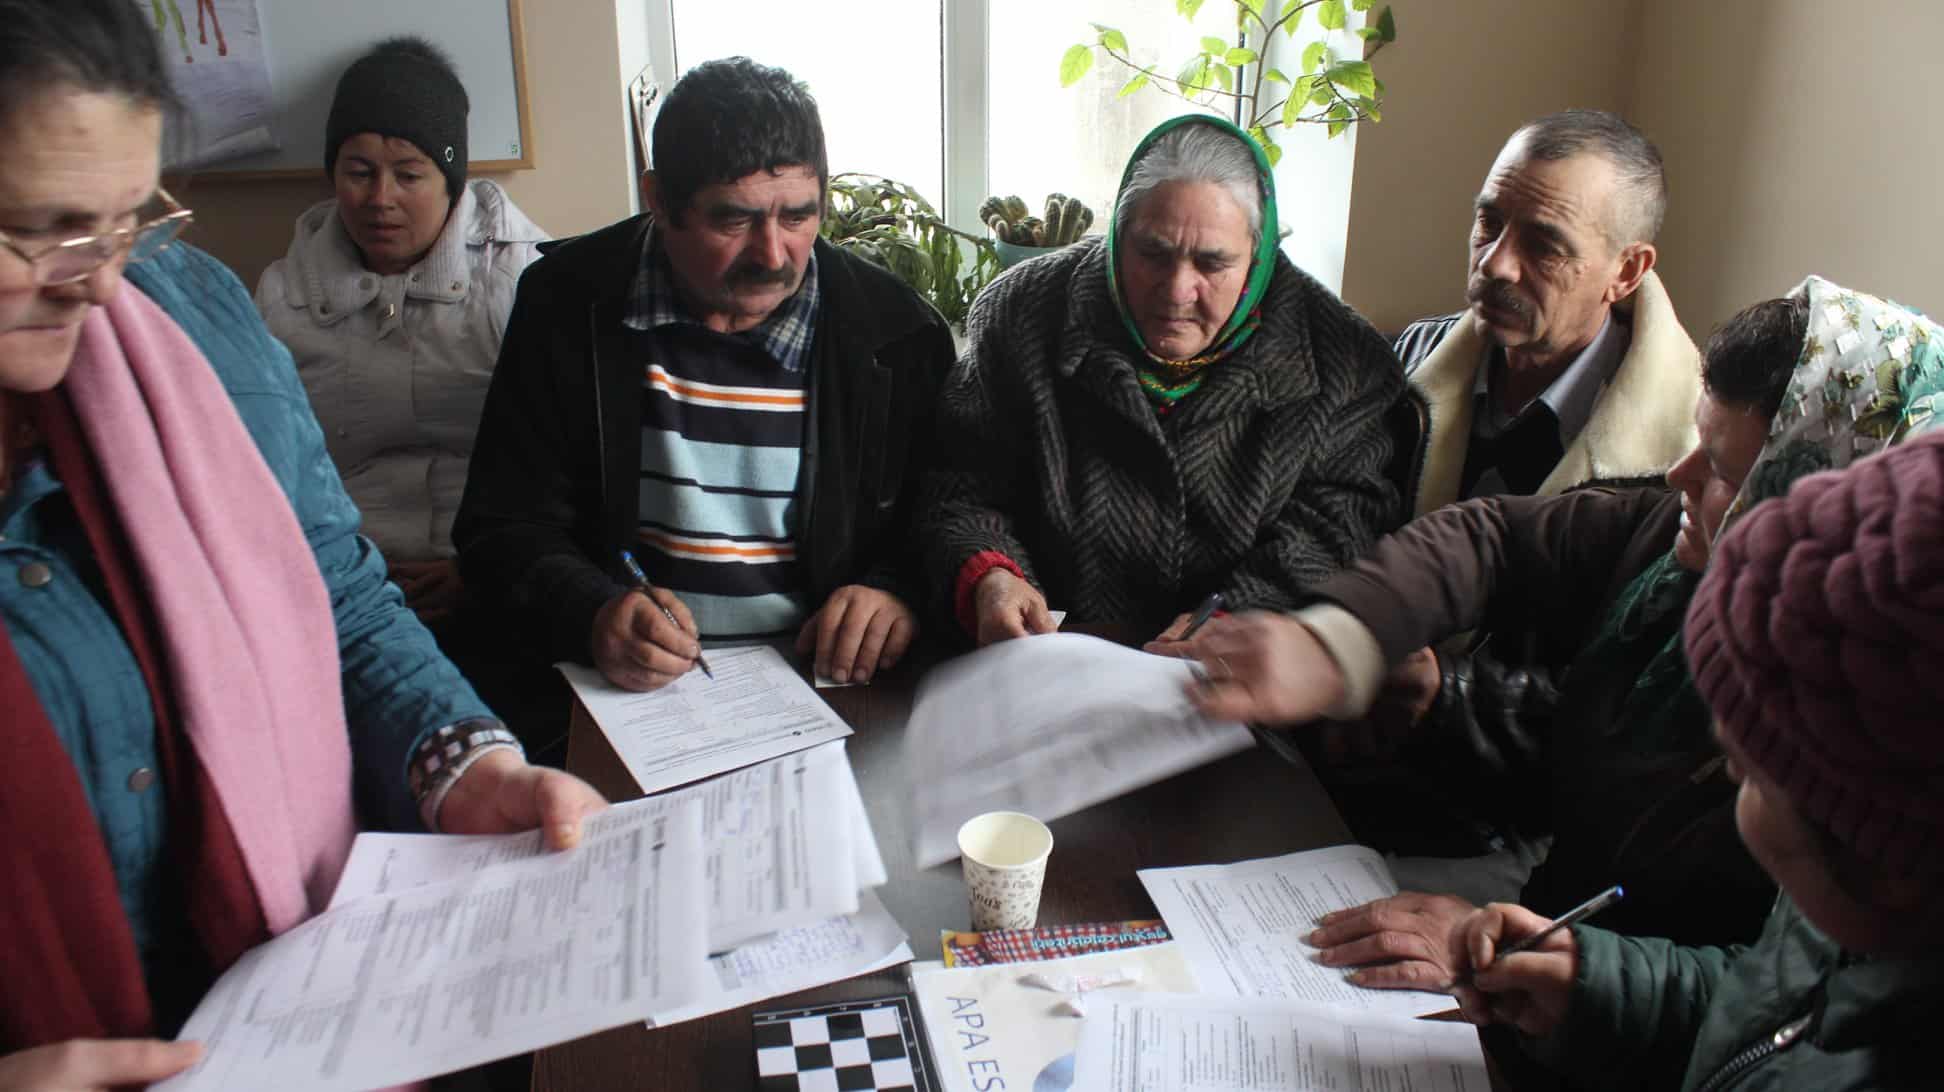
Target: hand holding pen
column 1533, row 991
column 646, row 641
column 647, row 589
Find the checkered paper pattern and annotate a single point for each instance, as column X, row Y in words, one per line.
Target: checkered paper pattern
column 866, row 1046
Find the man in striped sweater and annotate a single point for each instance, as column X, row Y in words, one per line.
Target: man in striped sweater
column 716, row 389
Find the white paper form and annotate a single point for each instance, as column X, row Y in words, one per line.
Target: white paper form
column 755, row 708
column 1048, row 725
column 772, row 861
column 1242, row 925
column 798, row 959
column 432, row 979
column 1175, row 1043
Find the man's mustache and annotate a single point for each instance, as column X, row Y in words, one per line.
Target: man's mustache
column 1497, row 295
column 756, row 276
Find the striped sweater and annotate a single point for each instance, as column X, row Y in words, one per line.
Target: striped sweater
column 721, row 441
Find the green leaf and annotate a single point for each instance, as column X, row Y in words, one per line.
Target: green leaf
column 1360, row 5
column 1386, row 25
column 1239, row 55
column 1112, row 38
column 1224, row 76
column 1313, row 55
column 1298, row 98
column 1354, row 76
column 1371, row 109
column 1295, row 20
column 1330, row 14
column 1273, row 150
column 1367, row 33
column 1188, row 8
column 1320, row 92
column 1214, row 46
column 1078, row 59
column 1192, row 75
column 1275, row 75
column 1254, row 6
column 1139, row 81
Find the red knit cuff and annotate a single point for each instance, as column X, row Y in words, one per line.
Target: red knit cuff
column 974, row 570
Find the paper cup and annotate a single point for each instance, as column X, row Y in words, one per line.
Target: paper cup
column 1004, row 853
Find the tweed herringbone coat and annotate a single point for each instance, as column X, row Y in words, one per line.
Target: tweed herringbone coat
column 1264, row 481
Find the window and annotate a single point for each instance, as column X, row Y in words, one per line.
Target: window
column 1043, row 138
column 875, row 71
column 962, row 98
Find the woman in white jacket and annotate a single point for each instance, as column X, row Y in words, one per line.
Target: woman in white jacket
column 393, row 298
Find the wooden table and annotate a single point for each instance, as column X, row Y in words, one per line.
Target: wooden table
column 1251, row 804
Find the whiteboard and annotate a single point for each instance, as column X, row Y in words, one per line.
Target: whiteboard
column 309, row 43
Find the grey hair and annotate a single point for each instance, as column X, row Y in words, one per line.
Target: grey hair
column 1195, row 153
column 1636, row 213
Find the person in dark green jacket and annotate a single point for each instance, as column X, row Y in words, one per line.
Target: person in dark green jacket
column 1812, row 637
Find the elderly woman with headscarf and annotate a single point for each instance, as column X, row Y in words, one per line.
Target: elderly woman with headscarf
column 393, row 298
column 205, row 681
column 1174, row 412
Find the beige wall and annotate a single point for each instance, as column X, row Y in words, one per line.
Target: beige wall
column 1800, row 137
column 582, row 176
column 1460, row 78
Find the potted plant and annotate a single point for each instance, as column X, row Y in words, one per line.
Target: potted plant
column 1020, row 236
column 1328, row 90
column 889, row 223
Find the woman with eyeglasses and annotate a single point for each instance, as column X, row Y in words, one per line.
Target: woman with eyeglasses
column 205, row 678
column 393, row 297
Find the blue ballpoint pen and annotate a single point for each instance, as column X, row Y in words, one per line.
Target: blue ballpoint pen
column 647, row 589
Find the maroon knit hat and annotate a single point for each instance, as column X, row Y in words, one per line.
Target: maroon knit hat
column 1817, row 638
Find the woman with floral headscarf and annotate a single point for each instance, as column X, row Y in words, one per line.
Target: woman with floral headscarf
column 1622, row 773
column 1172, row 412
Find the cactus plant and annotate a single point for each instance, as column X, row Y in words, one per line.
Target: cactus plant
column 1065, row 221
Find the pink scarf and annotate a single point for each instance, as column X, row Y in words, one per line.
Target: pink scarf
column 248, row 639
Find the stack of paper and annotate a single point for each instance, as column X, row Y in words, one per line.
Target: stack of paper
column 1049, row 725
column 1235, row 1001
column 521, row 953
column 442, row 952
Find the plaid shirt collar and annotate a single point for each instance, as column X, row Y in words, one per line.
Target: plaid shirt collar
column 785, row 335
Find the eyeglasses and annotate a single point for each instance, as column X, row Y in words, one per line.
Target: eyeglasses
column 72, row 260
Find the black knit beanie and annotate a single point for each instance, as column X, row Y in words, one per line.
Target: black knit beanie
column 404, row 88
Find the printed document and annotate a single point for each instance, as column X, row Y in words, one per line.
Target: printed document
column 772, row 858
column 756, row 707
column 1242, row 926
column 797, row 959
column 1172, row 1043
column 1048, row 725
column 427, row 980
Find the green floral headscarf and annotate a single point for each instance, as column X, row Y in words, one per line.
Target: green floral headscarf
column 1870, row 374
column 1168, row 381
